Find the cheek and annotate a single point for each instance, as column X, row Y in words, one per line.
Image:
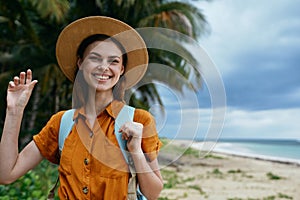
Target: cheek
column 117, row 70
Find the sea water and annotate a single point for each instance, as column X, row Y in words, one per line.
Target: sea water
column 281, row 149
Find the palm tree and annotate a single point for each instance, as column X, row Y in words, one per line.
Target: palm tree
column 28, row 32
column 178, row 16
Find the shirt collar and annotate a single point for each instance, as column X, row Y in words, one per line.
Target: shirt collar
column 112, row 109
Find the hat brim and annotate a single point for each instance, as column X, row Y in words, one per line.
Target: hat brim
column 72, row 35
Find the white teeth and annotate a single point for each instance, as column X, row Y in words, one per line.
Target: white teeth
column 101, row 77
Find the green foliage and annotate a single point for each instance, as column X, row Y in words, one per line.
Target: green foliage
column 210, row 155
column 271, row 197
column 28, row 33
column 171, row 178
column 163, row 198
column 234, row 171
column 272, row 176
column 32, row 186
column 216, row 173
column 198, row 188
column 284, row 196
column 193, row 152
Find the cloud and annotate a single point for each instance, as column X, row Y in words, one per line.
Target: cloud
column 256, row 47
column 277, row 123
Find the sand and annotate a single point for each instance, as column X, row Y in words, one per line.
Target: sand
column 221, row 176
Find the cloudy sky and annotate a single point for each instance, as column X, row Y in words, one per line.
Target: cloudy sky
column 255, row 46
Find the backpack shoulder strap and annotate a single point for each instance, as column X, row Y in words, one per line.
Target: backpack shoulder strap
column 66, row 125
column 125, row 115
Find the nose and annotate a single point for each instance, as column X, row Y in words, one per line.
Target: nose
column 104, row 65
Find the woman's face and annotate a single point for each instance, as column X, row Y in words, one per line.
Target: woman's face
column 102, row 65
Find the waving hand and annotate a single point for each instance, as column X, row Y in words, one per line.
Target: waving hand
column 19, row 90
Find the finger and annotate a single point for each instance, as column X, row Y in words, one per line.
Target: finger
column 124, row 137
column 32, row 84
column 28, row 76
column 11, row 84
column 16, row 80
column 22, row 78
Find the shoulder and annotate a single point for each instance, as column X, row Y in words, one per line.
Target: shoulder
column 54, row 121
column 143, row 116
column 56, row 118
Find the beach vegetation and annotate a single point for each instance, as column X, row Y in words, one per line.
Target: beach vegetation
column 171, row 178
column 198, row 188
column 163, row 198
column 232, row 171
column 182, row 150
column 272, row 176
column 210, row 155
column 189, row 179
column 284, row 196
column 271, row 197
column 239, row 171
column 216, row 173
column 192, row 152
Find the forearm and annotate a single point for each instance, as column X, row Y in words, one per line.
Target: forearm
column 150, row 182
column 9, row 142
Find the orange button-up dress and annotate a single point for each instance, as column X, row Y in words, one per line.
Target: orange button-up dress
column 91, row 164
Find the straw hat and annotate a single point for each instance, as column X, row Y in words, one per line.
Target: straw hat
column 73, row 34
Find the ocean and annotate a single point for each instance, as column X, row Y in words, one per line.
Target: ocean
column 285, row 150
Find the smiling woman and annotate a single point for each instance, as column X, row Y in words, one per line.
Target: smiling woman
column 101, row 63
column 103, row 57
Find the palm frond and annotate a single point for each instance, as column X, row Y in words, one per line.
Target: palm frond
column 52, row 9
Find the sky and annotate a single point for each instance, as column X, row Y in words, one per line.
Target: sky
column 255, row 47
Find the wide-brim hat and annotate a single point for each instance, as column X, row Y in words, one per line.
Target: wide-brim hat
column 72, row 35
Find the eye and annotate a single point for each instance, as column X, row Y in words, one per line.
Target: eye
column 114, row 61
column 95, row 58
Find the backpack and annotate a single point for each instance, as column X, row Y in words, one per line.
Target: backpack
column 126, row 114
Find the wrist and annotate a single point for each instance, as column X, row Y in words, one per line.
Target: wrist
column 14, row 111
column 137, row 150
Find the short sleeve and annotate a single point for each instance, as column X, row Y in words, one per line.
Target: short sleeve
column 150, row 142
column 47, row 139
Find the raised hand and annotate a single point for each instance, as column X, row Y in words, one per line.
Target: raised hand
column 19, row 90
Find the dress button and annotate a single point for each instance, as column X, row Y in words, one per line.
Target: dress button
column 86, row 161
column 85, row 190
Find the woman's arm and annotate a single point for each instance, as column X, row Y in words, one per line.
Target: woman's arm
column 12, row 163
column 149, row 177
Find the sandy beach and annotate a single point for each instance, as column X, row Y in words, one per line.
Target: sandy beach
column 220, row 176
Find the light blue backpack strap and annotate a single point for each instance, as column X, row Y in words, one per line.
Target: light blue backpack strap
column 125, row 115
column 66, row 125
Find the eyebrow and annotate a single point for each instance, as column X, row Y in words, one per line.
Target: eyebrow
column 97, row 54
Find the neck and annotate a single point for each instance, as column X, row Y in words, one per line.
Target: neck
column 98, row 102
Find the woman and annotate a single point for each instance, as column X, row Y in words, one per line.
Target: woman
column 108, row 57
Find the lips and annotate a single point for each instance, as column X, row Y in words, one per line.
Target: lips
column 101, row 77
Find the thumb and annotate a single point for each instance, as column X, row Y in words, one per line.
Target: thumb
column 32, row 84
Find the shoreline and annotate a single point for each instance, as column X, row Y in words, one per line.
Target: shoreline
column 213, row 147
column 223, row 176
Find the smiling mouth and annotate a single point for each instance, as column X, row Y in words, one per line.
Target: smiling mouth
column 101, row 77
